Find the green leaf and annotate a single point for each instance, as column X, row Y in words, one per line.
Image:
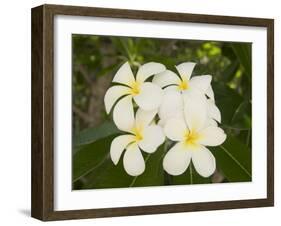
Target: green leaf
column 154, row 173
column 91, row 135
column 243, row 53
column 229, row 72
column 110, row 176
column 234, row 160
column 242, row 116
column 228, row 51
column 227, row 100
column 90, row 157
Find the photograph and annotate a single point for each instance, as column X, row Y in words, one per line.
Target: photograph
column 122, row 113
column 149, row 112
column 160, row 112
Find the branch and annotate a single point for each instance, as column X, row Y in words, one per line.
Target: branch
column 84, row 116
column 85, row 74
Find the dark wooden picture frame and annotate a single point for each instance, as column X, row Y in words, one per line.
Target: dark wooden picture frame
column 42, row 204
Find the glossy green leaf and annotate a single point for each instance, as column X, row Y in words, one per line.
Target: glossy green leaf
column 234, row 160
column 90, row 157
column 242, row 116
column 110, row 176
column 91, row 135
column 227, row 101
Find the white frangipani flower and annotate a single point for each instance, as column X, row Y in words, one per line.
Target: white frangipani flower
column 178, row 89
column 173, row 104
column 186, row 109
column 143, row 134
column 148, row 96
column 184, row 83
column 210, row 93
column 212, row 110
column 192, row 136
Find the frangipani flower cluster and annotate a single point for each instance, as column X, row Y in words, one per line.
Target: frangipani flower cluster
column 171, row 107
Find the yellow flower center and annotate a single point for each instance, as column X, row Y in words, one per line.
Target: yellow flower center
column 183, row 85
column 138, row 134
column 135, row 88
column 191, row 138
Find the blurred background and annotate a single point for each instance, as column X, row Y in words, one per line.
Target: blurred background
column 95, row 61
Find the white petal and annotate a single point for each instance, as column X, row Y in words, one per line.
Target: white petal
column 153, row 123
column 133, row 161
column 149, row 69
column 213, row 111
column 201, row 82
column 177, row 159
column 161, row 123
column 150, row 96
column 210, row 122
column 153, row 137
column 175, row 129
column 172, row 88
column 144, row 118
column 185, row 70
column 210, row 93
column 113, row 94
column 118, row 145
column 171, row 106
column 212, row 136
column 204, row 161
column 195, row 111
column 166, row 78
column 124, row 75
column 123, row 114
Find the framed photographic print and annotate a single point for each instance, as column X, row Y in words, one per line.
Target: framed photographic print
column 141, row 112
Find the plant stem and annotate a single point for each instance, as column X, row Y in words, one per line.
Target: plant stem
column 168, row 179
column 190, row 171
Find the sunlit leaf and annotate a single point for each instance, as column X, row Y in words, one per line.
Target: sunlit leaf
column 243, row 53
column 229, row 72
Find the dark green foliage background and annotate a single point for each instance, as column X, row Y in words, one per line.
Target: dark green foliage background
column 95, row 61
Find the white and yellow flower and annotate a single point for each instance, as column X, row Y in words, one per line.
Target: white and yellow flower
column 179, row 88
column 192, row 135
column 142, row 135
column 147, row 96
column 184, row 83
